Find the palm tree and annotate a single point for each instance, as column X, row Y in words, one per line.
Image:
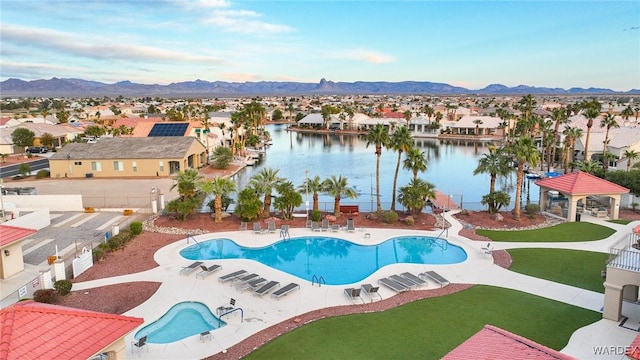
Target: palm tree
column 313, row 185
column 219, row 187
column 572, row 134
column 379, row 136
column 630, row 155
column 265, row 181
column 591, row 113
column 495, row 163
column 401, row 141
column 414, row 195
column 407, row 116
column 186, row 183
column 522, row 151
column 559, row 116
column 478, row 122
column 416, row 161
column 290, row 109
column 627, row 113
column 608, row 121
column 337, row 187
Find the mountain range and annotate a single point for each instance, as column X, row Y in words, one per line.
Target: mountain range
column 200, row 88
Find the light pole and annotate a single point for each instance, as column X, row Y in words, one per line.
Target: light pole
column 306, row 193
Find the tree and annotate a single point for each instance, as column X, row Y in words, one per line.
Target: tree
column 559, row 116
column 186, row 183
column 630, row 155
column 414, row 195
column 416, row 161
column 265, row 181
column 62, row 116
column 608, row 121
column 219, row 187
column 571, row 135
column 287, row 200
column 401, row 141
column 628, row 179
column 591, row 113
column 23, row 137
column 183, row 207
column 222, row 157
column 337, row 187
column 276, row 115
column 314, row 186
column 523, row 151
column 478, row 122
column 407, row 116
column 46, row 140
column 94, row 130
column 379, row 136
column 249, row 204
column 496, row 200
column 495, row 163
column 24, row 170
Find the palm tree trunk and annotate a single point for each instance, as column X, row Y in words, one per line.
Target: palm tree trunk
column 336, row 206
column 315, row 201
column 217, row 204
column 395, row 182
column 379, row 205
column 520, row 175
column 267, row 206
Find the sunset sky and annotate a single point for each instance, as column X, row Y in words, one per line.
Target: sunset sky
column 464, row 43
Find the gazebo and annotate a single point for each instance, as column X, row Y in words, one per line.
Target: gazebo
column 568, row 194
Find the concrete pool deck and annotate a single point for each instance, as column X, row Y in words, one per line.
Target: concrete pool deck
column 263, row 312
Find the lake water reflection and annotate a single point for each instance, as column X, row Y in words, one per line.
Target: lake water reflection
column 450, row 167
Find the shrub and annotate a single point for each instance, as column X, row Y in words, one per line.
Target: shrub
column 316, row 215
column 116, row 242
column 136, row 228
column 410, row 221
column 63, row 287
column 47, row 296
column 390, row 217
column 41, row 174
column 97, row 253
column 532, row 208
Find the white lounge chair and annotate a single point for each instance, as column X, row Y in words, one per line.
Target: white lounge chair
column 371, row 291
column 271, row 227
column 315, row 226
column 285, row 290
column 399, row 279
column 206, row 271
column 435, row 277
column 351, row 226
column 191, row 268
column 243, row 226
column 232, row 276
column 257, row 228
column 325, row 225
column 393, row 285
column 266, row 288
column 413, row 278
column 486, row 249
column 353, row 294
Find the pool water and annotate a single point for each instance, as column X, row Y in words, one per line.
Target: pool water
column 338, row 261
column 181, row 321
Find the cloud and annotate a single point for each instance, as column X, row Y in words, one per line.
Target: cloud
column 368, row 56
column 244, row 21
column 71, row 44
column 212, row 3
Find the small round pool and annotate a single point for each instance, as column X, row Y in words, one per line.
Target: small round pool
column 181, row 321
column 338, row 261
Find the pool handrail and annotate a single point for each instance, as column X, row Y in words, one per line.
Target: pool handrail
column 230, row 311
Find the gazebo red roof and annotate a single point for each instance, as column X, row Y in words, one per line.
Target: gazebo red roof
column 33, row 330
column 494, row 343
column 10, row 234
column 633, row 350
column 579, row 182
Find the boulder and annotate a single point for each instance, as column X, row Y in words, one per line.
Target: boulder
column 497, row 217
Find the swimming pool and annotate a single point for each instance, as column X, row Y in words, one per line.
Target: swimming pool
column 181, row 321
column 338, row 261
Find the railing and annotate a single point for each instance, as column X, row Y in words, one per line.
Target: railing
column 230, row 311
column 318, row 280
column 626, row 260
column 189, row 236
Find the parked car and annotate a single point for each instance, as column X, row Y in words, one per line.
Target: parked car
column 37, row 149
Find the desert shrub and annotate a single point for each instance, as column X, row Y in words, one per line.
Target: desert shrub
column 136, row 228
column 410, row 221
column 118, row 241
column 63, row 287
column 390, row 217
column 47, row 296
column 532, row 208
column 97, row 254
column 41, row 174
column 316, row 215
column 463, row 212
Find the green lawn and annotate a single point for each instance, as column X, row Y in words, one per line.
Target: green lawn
column 570, row 267
column 430, row 328
column 620, row 221
column 565, row 232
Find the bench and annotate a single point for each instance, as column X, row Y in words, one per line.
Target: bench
column 349, row 209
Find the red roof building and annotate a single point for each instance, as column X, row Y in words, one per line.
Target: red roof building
column 494, row 343
column 11, row 259
column 32, row 330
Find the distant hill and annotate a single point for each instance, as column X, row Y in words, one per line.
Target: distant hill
column 201, row 88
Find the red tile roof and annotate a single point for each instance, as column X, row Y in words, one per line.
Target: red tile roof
column 32, row 330
column 494, row 343
column 579, row 183
column 11, row 234
column 633, row 351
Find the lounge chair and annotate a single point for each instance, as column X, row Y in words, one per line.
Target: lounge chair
column 232, row 276
column 399, row 279
column 266, row 288
column 435, row 277
column 353, row 294
column 223, row 309
column 393, row 285
column 335, row 228
column 191, row 268
column 244, row 279
column 271, row 227
column 285, row 290
column 351, row 226
column 486, row 249
column 252, row 284
column 315, row 226
column 371, row 290
column 206, row 271
column 325, row 225
column 257, row 228
column 142, row 342
column 417, row 280
column 243, row 226
column 284, row 231
column 308, row 224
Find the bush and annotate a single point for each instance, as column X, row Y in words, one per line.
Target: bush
column 63, row 287
column 316, row 215
column 532, row 208
column 136, row 228
column 410, row 221
column 41, row 174
column 97, row 254
column 118, row 241
column 390, row 217
column 47, row 296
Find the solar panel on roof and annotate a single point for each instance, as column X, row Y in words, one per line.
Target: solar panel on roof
column 168, row 130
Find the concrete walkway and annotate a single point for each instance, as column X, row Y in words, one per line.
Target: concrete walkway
column 261, row 312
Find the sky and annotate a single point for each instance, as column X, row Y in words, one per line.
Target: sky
column 463, row 43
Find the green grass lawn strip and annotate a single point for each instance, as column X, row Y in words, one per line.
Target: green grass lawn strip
column 565, row 232
column 430, row 328
column 571, row 267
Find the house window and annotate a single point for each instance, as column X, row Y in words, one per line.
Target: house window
column 118, row 166
column 96, row 166
column 161, row 165
column 77, row 163
column 134, row 166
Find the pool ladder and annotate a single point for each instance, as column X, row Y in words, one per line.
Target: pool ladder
column 189, row 236
column 233, row 310
column 318, row 280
